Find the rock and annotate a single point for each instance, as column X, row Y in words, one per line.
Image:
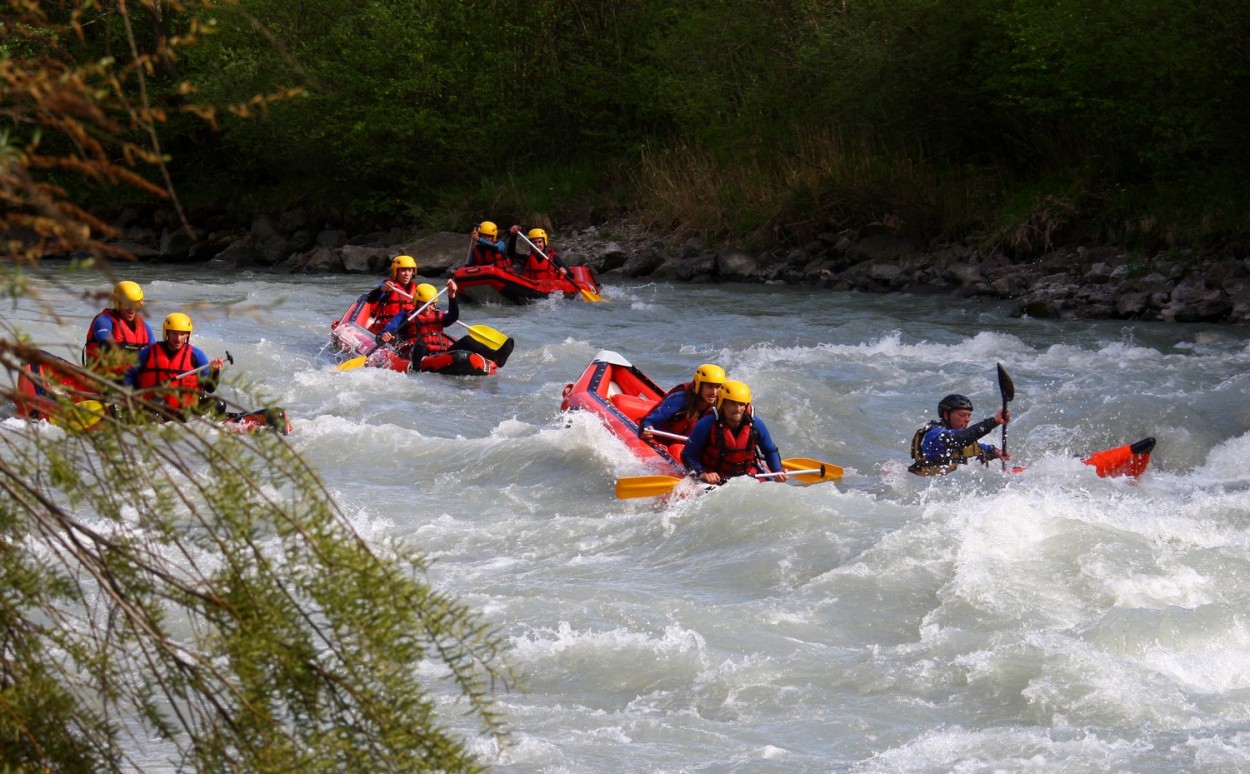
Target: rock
column 735, row 266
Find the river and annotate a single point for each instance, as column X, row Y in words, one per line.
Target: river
column 1049, row 620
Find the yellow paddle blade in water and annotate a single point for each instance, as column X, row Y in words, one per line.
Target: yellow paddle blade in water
column 830, row 472
column 645, row 486
column 80, row 416
column 356, row 362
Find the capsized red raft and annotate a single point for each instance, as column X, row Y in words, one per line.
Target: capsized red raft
column 350, row 335
column 620, row 395
column 494, row 284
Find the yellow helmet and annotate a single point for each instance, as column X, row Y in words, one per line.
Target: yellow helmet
column 537, row 233
column 426, row 292
column 488, row 229
column 403, row 262
column 708, row 374
column 176, row 322
column 735, row 391
column 127, row 295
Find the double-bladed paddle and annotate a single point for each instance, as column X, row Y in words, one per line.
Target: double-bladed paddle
column 1008, row 390
column 587, row 293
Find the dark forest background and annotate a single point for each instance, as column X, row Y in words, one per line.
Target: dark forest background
column 1011, row 124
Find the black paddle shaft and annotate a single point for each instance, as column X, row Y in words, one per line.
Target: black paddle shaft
column 1008, row 390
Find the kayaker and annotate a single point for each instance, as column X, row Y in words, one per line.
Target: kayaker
column 486, row 248
column 949, row 441
column 422, row 335
column 117, row 334
column 685, row 404
column 537, row 267
column 394, row 296
column 159, row 364
column 731, row 441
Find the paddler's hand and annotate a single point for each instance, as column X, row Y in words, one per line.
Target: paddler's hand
column 451, row 288
column 646, row 434
column 385, row 338
column 514, row 230
column 216, row 363
column 1003, row 454
column 708, row 477
column 782, row 478
column 1003, row 416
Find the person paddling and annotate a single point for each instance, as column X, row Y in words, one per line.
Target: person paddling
column 684, row 405
column 393, row 297
column 117, row 334
column 540, row 264
column 174, row 373
column 944, row 444
column 487, row 249
column 731, row 441
column 422, row 334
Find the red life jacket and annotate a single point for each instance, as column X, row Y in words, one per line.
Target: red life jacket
column 488, row 255
column 131, row 339
column 427, row 326
column 540, row 268
column 393, row 303
column 729, row 453
column 684, row 422
column 160, row 370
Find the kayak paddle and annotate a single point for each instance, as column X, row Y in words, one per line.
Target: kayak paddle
column 587, row 293
column 1008, row 390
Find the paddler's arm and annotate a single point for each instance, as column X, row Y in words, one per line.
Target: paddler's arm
column 663, row 412
column 132, row 374
column 772, row 457
column 693, row 450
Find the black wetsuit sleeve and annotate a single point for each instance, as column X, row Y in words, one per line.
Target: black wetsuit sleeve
column 972, row 433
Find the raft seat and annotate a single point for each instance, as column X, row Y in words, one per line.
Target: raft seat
column 632, row 407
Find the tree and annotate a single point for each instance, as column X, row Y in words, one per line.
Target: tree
column 175, row 585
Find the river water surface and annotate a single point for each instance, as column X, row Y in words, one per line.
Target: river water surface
column 1049, row 620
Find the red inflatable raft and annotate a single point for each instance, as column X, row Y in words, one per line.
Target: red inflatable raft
column 351, row 337
column 483, row 284
column 620, row 396
column 43, row 384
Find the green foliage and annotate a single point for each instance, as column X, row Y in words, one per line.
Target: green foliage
column 204, row 586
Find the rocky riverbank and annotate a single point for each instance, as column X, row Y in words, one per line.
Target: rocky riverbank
column 1067, row 282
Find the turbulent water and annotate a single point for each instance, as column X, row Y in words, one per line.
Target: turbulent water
column 1049, row 620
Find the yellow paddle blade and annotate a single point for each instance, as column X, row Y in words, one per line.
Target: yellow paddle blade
column 356, row 362
column 832, row 472
column 590, row 295
column 81, row 416
column 486, row 335
column 645, row 486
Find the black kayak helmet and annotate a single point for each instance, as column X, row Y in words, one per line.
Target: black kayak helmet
column 951, row 403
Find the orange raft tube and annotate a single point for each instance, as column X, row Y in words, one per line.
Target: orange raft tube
column 620, row 395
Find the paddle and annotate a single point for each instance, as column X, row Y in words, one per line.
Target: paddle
column 587, row 294
column 658, row 485
column 204, row 367
column 481, row 333
column 799, row 467
column 82, row 415
column 1008, row 390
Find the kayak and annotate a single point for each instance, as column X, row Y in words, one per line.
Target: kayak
column 43, row 384
column 494, row 284
column 620, row 395
column 351, row 338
